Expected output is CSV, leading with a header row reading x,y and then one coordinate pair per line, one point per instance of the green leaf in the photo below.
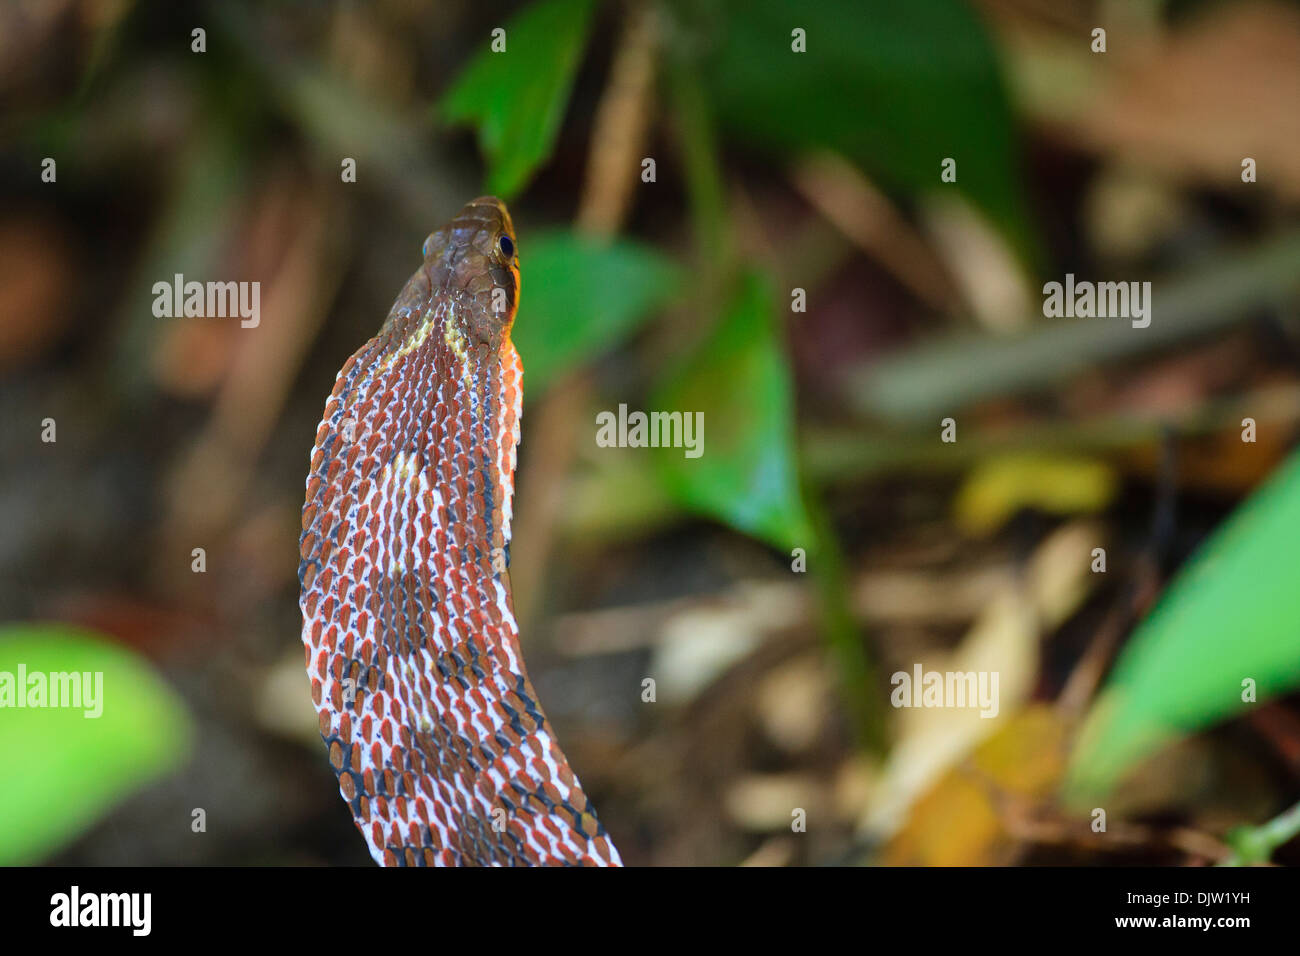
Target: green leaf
x,y
894,87
517,97
1232,613
739,379
581,296
64,768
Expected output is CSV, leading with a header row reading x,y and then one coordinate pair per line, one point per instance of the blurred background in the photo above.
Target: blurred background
x,y
733,208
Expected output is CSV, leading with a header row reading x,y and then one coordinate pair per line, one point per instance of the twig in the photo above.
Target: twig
x,y
1256,844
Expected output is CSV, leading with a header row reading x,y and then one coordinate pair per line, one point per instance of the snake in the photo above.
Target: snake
x,y
437,737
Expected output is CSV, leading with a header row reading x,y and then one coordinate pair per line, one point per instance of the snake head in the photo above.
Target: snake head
x,y
475,254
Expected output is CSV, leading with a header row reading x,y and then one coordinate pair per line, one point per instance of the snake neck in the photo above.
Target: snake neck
x,y
447,389
441,747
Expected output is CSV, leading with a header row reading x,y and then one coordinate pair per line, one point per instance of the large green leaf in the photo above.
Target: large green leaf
x,y
517,97
580,296
895,87
1232,614
63,768
739,379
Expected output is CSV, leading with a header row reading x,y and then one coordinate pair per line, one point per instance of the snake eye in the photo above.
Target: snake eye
x,y
507,247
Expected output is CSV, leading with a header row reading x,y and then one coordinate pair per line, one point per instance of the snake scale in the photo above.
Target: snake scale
x,y
441,748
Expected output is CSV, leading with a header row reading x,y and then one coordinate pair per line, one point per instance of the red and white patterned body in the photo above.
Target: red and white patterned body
x,y
441,748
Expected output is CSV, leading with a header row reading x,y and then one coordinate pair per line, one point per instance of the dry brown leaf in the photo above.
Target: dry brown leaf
x,y
958,822
1004,640
35,271
1217,90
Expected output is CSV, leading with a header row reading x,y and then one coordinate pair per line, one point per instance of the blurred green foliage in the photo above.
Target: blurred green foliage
x,y
895,92
516,97
1230,616
1254,845
747,476
67,769
894,87
583,296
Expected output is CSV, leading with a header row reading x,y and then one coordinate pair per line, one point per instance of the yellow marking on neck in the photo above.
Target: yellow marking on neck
x,y
452,334
458,342
413,341
454,337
